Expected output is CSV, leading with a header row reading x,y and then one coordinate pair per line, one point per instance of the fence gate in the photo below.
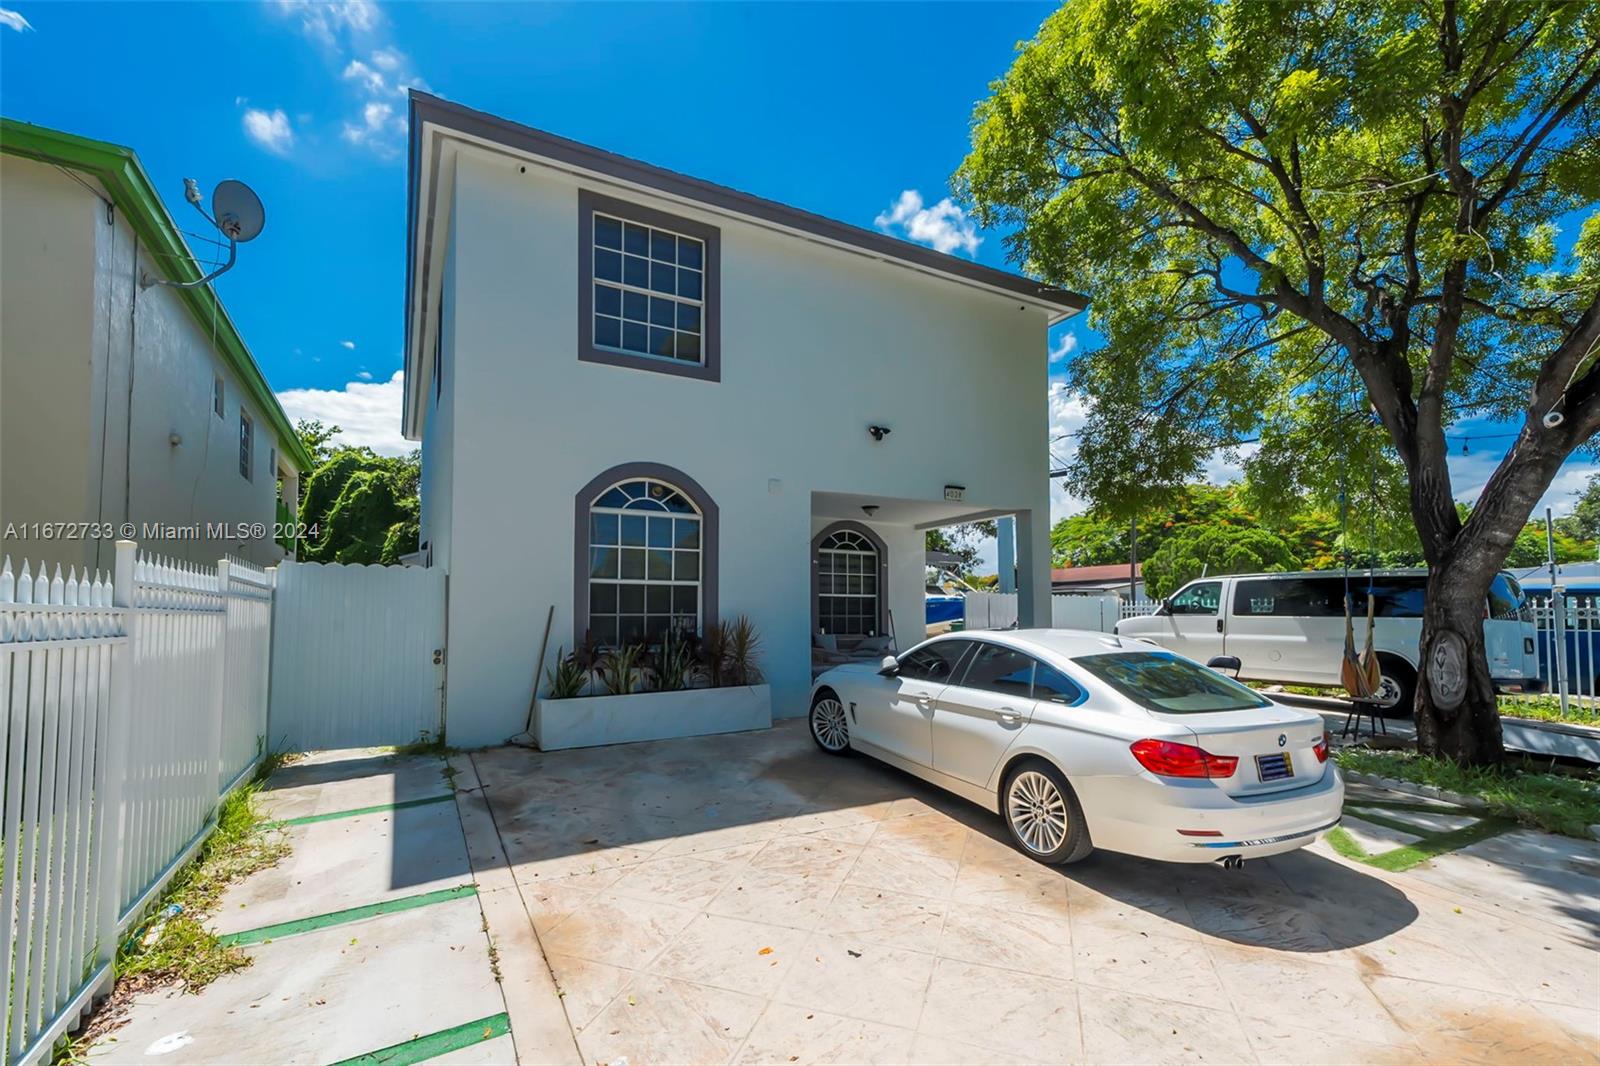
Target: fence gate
x,y
356,656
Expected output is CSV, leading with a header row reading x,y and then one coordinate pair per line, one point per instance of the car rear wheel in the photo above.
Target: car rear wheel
x,y
829,726
1397,687
1042,814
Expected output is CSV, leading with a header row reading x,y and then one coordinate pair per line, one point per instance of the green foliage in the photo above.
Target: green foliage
x,y
617,667
962,540
1292,214
565,678
317,438
1530,548
1586,514
364,507
743,650
1215,550
1312,534
669,666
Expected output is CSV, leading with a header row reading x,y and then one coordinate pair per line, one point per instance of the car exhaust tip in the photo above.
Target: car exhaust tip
x,y
1232,862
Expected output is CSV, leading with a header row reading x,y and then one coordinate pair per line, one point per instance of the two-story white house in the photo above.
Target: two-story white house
x,y
647,400
127,404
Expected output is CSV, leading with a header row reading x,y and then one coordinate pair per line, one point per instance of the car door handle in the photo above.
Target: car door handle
x,y
1006,716
1219,625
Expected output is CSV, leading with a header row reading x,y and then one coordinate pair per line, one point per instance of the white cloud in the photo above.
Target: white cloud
x,y
348,344
1063,348
374,127
387,59
14,20
322,21
1469,473
367,412
1068,413
944,225
270,130
371,79
364,375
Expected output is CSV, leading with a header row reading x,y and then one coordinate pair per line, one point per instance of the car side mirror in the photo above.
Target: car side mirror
x,y
1225,664
889,666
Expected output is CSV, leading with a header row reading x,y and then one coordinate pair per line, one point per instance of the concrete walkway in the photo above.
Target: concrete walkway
x,y
368,940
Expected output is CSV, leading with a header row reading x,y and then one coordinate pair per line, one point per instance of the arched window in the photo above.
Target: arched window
x,y
849,581
646,546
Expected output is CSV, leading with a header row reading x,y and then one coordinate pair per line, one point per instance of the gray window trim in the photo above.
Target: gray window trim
x,y
580,537
883,571
710,366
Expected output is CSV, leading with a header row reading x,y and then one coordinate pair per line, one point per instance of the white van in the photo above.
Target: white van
x,y
1289,628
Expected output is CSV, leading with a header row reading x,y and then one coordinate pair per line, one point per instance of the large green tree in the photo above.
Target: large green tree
x,y
1330,227
363,507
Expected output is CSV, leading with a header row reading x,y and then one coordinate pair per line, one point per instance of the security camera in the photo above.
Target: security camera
x,y
878,432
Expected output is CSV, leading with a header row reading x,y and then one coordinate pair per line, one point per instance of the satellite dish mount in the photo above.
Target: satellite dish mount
x,y
237,214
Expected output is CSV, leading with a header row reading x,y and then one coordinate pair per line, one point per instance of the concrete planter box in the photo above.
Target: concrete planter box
x,y
590,721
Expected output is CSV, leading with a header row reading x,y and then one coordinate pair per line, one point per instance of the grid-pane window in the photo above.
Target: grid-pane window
x,y
649,290
644,562
847,585
247,444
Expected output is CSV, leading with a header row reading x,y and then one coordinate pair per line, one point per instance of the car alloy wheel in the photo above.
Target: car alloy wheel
x,y
828,724
1388,694
1038,812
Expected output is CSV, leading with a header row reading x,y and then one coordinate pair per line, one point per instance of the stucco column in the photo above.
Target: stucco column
x,y
1033,569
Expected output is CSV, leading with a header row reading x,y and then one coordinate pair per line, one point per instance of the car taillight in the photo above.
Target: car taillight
x,y
1321,747
1168,758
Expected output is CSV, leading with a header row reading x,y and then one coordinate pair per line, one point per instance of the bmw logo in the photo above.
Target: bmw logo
x,y
1282,740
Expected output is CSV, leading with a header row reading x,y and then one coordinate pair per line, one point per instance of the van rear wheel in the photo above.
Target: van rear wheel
x,y
1397,687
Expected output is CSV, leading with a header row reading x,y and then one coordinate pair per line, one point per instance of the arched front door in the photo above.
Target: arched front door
x,y
849,584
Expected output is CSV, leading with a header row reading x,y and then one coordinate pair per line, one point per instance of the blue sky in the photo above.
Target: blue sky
x,y
850,110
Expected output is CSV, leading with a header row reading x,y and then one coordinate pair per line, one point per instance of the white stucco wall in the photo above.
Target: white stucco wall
x,y
82,443
816,344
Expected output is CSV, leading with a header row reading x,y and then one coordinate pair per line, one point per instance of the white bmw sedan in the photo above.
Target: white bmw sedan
x,y
1081,740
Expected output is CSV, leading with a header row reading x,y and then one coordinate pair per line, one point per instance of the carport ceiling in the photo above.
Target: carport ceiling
x,y
922,514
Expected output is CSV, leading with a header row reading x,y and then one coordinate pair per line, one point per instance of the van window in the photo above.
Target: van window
x,y
1203,598
1393,596
1506,599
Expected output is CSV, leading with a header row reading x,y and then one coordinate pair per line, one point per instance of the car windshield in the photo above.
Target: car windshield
x,y
1163,682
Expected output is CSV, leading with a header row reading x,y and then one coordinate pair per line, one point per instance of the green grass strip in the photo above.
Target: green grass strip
x,y
423,1048
379,809
1430,846
351,914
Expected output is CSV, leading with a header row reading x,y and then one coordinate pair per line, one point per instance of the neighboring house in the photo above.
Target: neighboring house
x,y
647,400
122,403
1098,580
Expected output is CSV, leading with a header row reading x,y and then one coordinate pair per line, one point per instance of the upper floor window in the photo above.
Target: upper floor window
x,y
247,445
216,396
649,288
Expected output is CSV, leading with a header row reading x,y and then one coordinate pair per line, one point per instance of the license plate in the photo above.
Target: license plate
x,y
1275,767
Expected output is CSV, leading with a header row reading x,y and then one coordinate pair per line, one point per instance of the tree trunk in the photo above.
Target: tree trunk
x,y
1457,714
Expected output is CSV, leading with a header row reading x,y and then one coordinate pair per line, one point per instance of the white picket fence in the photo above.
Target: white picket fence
x,y
998,610
128,708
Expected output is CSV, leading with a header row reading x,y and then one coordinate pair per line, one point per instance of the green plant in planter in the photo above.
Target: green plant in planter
x,y
588,655
566,678
731,651
670,668
617,667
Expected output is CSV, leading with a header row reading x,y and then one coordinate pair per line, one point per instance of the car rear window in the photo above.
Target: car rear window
x,y
1163,682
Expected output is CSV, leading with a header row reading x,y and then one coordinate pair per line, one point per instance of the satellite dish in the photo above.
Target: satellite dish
x,y
238,211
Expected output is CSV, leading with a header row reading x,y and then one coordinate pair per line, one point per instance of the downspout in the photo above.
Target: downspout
x,y
133,348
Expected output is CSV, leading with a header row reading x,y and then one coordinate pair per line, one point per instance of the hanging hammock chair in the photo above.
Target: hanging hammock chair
x,y
1359,672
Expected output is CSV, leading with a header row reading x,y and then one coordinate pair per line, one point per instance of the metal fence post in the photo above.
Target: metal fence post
x,y
111,766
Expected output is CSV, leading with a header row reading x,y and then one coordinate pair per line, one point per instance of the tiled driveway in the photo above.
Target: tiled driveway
x,y
744,898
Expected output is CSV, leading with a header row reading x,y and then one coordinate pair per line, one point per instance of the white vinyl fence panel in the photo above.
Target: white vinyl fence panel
x,y
357,656
1097,614
991,610
121,728
1578,632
